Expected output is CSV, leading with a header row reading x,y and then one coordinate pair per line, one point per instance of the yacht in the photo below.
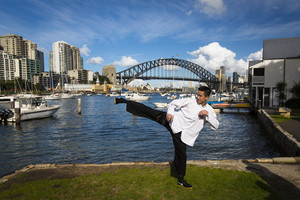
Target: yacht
x,y
35,108
138,97
160,105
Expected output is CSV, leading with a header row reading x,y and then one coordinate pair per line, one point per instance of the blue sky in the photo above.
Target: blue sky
x,y
210,33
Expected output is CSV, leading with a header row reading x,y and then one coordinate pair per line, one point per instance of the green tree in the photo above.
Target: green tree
x,y
296,90
294,102
280,87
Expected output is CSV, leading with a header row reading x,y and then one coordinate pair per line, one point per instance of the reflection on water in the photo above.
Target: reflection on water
x,y
105,133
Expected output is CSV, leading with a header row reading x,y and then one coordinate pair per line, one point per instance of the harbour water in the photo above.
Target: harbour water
x,y
105,133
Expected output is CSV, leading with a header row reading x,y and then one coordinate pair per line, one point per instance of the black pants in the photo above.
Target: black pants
x,y
158,116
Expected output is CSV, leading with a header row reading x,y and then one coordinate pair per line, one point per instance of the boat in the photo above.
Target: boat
x,y
138,97
52,97
221,105
67,96
172,97
160,105
7,98
35,108
112,95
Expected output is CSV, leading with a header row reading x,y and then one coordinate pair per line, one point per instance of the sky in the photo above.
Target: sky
x,y
210,33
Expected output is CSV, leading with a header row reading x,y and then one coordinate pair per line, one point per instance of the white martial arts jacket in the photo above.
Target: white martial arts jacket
x,y
186,120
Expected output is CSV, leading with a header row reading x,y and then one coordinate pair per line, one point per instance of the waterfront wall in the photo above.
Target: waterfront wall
x,y
284,140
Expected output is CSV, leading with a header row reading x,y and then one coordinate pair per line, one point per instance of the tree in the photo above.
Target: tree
x,y
296,90
294,102
280,87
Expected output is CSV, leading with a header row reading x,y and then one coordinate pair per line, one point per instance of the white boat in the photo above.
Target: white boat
x,y
67,96
172,97
52,97
160,105
35,108
7,98
112,95
138,97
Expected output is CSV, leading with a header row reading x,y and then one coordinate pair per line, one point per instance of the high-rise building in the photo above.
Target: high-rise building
x,y
7,66
13,44
235,76
28,68
76,58
20,58
64,57
221,75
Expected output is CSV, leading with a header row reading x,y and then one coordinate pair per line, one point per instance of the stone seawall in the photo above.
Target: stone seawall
x,y
284,140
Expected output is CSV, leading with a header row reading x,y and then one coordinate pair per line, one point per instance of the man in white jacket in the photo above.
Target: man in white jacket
x,y
184,119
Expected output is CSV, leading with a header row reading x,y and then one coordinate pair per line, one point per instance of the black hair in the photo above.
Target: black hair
x,y
206,90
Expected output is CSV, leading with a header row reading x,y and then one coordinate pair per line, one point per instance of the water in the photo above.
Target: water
x,y
106,133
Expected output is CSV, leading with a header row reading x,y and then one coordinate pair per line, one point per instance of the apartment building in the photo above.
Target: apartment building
x,y
281,62
19,58
8,65
64,57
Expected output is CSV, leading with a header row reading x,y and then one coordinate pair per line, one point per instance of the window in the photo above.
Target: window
x,y
259,72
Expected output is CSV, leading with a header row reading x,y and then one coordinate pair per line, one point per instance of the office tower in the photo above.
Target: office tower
x,y
235,76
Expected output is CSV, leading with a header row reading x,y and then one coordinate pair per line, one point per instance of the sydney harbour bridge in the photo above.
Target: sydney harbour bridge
x,y
168,69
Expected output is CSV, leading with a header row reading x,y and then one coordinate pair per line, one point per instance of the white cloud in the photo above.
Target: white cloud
x,y
211,7
256,56
126,62
85,50
95,60
213,56
189,13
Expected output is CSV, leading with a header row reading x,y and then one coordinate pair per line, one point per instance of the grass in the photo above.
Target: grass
x,y
144,183
281,119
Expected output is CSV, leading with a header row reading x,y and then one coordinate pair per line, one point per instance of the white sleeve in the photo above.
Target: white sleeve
x,y
177,104
212,119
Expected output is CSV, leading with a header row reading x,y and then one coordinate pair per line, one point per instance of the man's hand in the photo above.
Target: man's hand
x,y
169,117
203,113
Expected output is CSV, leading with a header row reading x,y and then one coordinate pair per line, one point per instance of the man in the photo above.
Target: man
x,y
184,119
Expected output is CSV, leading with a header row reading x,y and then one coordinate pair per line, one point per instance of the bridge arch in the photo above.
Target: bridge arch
x,y
138,71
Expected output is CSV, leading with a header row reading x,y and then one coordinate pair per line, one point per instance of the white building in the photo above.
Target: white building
x,y
281,62
62,57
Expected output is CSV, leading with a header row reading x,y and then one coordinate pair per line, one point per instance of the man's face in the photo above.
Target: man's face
x,y
201,98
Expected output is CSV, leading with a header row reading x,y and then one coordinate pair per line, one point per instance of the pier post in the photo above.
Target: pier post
x,y
79,106
17,112
12,103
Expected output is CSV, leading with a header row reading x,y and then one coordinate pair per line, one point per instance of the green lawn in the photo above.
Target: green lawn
x,y
144,183
280,119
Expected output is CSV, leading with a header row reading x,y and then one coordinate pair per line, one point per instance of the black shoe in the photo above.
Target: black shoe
x,y
184,184
119,100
